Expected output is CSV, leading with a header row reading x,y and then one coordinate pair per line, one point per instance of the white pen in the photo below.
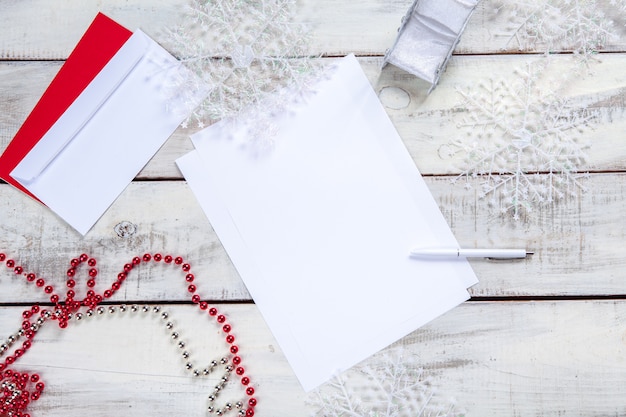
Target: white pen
x,y
470,253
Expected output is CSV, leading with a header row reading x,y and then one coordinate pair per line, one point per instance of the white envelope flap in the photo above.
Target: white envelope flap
x,y
108,134
86,105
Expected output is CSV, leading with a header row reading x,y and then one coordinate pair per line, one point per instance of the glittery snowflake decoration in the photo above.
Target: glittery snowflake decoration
x,y
524,144
581,26
242,51
391,384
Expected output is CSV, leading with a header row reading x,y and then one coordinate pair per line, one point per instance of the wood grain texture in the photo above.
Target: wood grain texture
x,y
578,245
40,29
428,124
530,359
111,364
493,359
505,357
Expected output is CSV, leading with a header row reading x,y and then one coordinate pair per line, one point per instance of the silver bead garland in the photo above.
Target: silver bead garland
x,y
174,336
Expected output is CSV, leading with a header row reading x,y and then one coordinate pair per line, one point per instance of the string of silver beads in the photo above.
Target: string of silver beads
x,y
15,337
182,346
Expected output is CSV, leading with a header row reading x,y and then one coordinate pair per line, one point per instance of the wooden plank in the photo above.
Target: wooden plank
x,y
42,30
433,125
39,29
165,218
493,359
430,125
537,358
129,361
577,243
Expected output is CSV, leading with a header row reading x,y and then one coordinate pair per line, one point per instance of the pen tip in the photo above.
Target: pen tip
x,y
529,253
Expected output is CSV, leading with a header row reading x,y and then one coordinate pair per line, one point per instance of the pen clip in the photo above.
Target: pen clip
x,y
496,259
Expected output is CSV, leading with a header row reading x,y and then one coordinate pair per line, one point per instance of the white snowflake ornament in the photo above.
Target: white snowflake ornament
x,y
242,52
389,384
583,27
523,142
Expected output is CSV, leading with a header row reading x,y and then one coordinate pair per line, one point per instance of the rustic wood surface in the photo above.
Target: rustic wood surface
x,y
541,337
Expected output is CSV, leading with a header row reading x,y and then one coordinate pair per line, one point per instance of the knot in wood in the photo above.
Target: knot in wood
x,y
125,229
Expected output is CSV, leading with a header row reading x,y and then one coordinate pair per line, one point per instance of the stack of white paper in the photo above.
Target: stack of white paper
x,y
320,226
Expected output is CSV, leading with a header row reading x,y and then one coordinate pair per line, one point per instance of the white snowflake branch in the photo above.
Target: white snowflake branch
x,y
524,143
554,26
243,52
389,384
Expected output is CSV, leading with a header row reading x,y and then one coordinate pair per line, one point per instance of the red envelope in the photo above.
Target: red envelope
x,y
101,41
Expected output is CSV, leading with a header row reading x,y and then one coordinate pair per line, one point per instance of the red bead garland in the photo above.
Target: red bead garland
x,y
15,386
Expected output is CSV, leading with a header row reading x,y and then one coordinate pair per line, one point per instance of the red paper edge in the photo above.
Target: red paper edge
x,y
100,42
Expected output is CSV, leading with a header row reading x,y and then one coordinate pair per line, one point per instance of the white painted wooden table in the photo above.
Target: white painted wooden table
x,y
540,337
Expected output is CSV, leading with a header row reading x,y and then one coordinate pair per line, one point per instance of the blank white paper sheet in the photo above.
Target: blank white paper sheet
x,y
320,226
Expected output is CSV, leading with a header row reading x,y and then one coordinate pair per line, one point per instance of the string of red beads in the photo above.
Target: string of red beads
x,y
14,395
